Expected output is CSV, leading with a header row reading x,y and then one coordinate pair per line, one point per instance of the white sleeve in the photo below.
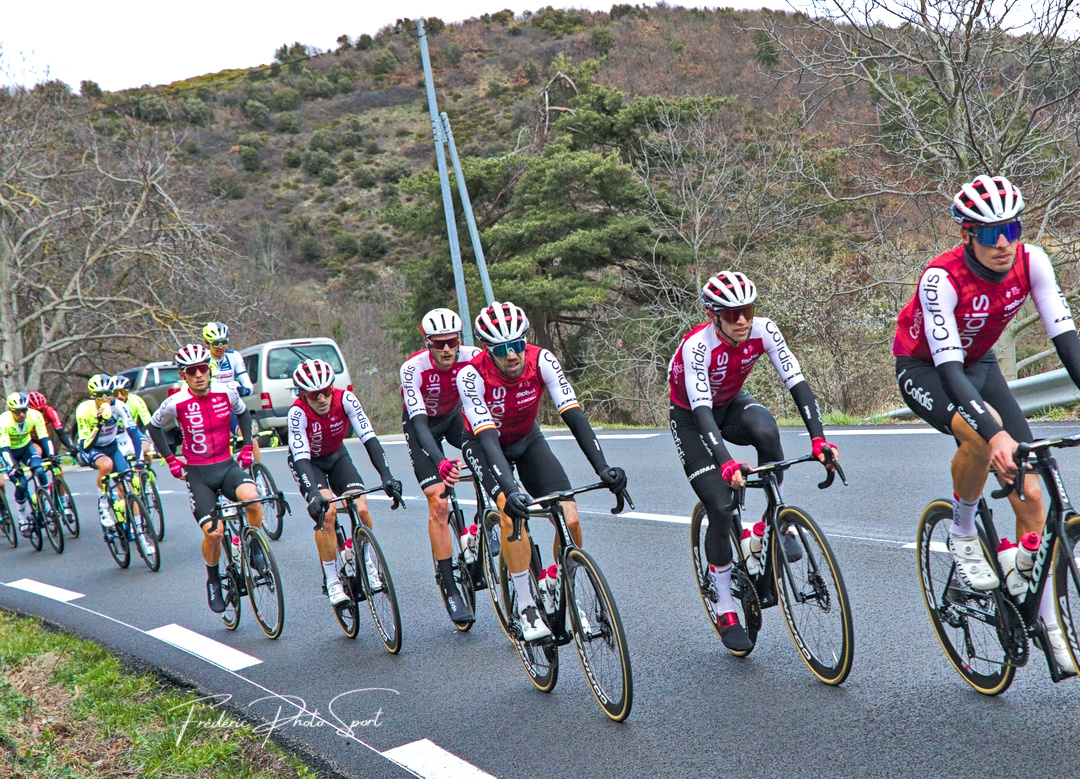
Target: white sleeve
x,y
787,366
695,360
299,447
562,394
236,404
470,386
937,298
360,423
165,413
411,396
124,415
1049,300
240,372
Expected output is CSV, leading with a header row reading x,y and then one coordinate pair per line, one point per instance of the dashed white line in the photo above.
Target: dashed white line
x,y
45,590
886,431
431,761
206,648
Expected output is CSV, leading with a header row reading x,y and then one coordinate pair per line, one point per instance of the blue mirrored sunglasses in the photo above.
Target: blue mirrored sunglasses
x,y
988,236
501,350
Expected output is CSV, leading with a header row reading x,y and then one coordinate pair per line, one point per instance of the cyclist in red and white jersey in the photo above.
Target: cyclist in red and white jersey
x,y
53,420
949,376
202,410
500,393
319,420
708,406
431,413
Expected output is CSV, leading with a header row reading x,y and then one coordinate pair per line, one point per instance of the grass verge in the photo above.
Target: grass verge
x,y
68,708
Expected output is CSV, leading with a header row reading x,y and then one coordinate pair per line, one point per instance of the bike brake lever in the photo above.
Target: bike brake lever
x,y
516,534
620,499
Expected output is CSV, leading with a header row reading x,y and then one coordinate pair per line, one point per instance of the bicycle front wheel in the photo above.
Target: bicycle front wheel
x,y
7,523
50,518
145,542
964,620
263,583
813,597
273,511
151,498
492,562
65,504
598,635
540,661
1067,586
378,587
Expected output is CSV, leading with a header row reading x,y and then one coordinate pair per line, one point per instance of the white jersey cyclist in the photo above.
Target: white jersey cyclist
x,y
312,435
428,389
231,370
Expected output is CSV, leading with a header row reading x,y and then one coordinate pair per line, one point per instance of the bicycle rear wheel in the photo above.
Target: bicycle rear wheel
x,y
965,621
65,504
347,613
116,540
50,519
272,510
36,523
540,661
263,583
492,563
8,524
378,587
151,498
1067,586
814,599
139,517
598,635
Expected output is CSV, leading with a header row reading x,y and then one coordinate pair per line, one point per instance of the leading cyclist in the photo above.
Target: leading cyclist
x,y
949,375
20,426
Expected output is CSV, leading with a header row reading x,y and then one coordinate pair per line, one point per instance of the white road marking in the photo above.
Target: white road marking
x,y
45,590
206,648
656,517
904,431
935,546
431,761
603,435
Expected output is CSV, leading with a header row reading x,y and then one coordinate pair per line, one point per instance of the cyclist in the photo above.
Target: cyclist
x,y
319,420
949,376
431,412
228,367
708,406
136,406
202,409
500,391
39,403
20,425
100,421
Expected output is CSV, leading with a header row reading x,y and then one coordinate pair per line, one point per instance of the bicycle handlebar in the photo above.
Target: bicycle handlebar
x,y
236,504
1020,457
545,502
352,496
783,465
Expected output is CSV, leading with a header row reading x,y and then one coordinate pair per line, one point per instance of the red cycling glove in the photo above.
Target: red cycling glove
x,y
819,443
729,469
247,456
176,466
446,467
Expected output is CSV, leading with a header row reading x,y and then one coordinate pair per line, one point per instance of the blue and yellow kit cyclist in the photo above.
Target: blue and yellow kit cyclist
x,y
20,426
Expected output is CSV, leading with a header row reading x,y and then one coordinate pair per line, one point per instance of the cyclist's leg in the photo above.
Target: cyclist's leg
x,y
203,484
238,485
427,475
748,423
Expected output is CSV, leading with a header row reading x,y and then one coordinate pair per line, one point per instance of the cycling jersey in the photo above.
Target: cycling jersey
x,y
230,369
137,408
203,420
957,316
428,389
51,417
707,370
97,432
491,400
312,435
16,435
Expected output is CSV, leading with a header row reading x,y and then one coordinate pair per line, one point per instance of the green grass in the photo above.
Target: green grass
x,y
68,708
834,418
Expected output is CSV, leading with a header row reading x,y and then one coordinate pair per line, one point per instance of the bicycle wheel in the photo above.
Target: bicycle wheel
x,y
598,635
492,563
231,594
36,523
347,613
378,588
272,511
151,498
1066,585
7,523
540,661
50,519
116,540
965,621
814,599
139,517
65,504
743,591
263,583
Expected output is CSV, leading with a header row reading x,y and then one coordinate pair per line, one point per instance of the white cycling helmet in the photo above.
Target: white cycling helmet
x,y
986,200
120,383
192,354
440,321
500,323
313,375
728,289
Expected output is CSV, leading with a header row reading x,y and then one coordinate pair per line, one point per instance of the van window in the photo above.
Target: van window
x,y
132,376
281,362
251,362
168,375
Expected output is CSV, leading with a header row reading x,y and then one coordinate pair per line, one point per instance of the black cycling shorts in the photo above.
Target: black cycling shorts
x,y
538,469
206,482
451,428
920,385
335,472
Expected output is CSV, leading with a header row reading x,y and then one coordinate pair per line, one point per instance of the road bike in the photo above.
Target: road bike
x,y
250,568
582,600
797,569
45,517
985,633
145,485
7,522
131,522
365,576
61,495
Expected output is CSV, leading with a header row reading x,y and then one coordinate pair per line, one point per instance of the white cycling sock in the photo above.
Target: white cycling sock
x,y
524,592
21,504
721,577
330,570
1046,607
963,516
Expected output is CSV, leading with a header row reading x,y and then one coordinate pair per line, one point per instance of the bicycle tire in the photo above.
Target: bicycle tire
x,y
264,587
50,519
821,625
65,504
145,540
601,640
954,609
540,661
742,587
8,524
151,498
230,593
492,564
272,511
1067,587
36,523
347,613
381,600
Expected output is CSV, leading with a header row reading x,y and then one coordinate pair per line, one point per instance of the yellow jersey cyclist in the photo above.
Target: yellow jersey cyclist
x,y
136,406
101,420
20,426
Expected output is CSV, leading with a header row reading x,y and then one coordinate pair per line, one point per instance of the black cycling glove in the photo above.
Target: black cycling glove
x,y
316,509
517,505
614,477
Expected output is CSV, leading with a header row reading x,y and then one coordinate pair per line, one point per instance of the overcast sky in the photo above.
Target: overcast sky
x,y
128,43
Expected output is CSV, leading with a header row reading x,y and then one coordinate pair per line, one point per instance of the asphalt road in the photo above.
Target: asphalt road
x,y
458,705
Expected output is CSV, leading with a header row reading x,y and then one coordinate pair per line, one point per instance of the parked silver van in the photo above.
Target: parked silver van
x,y
270,367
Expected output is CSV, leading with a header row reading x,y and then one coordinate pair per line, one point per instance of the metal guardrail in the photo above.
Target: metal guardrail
x,y
1034,393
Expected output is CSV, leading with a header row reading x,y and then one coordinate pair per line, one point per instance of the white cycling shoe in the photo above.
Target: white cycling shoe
x,y
336,593
532,627
1059,648
971,564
